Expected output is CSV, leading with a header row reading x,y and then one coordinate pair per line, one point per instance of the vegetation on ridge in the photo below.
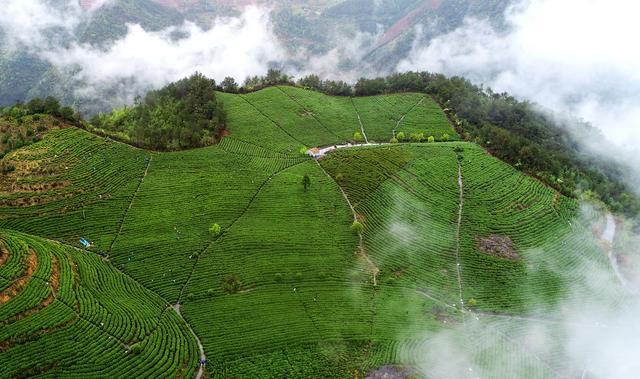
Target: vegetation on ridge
x,y
182,115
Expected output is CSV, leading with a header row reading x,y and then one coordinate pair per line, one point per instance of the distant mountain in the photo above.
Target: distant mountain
x,y
315,25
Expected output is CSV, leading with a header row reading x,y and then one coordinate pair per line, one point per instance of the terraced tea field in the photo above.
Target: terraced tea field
x,y
222,252
284,118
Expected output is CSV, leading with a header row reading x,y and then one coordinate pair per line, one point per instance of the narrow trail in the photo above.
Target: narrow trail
x,y
608,236
126,212
458,227
361,250
366,140
405,115
253,198
292,98
272,121
203,357
176,306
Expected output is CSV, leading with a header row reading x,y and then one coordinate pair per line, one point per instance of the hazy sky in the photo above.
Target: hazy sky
x,y
567,55
571,55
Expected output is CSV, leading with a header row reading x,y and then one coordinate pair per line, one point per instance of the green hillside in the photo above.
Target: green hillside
x,y
224,246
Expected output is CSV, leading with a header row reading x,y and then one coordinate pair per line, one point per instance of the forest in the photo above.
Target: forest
x,y
184,114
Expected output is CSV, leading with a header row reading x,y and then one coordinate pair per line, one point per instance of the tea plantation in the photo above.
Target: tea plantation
x,y
122,262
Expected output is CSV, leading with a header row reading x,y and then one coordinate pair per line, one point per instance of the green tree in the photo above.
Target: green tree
x,y
357,227
231,284
229,84
215,230
136,348
306,182
400,136
445,137
357,137
51,106
431,139
393,140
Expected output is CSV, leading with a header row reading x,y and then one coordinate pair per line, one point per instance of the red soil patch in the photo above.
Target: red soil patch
x,y
498,246
390,372
54,282
406,22
17,286
4,255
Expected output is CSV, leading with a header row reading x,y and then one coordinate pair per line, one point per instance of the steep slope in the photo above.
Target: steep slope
x,y
275,279
79,315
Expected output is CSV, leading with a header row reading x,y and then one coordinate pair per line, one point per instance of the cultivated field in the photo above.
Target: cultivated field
x,y
224,246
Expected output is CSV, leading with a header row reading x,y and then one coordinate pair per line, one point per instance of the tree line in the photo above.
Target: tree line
x,y
23,124
184,114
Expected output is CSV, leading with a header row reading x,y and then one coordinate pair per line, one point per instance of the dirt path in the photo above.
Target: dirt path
x,y
326,150
272,120
405,115
308,111
361,250
203,357
608,236
458,226
126,212
366,140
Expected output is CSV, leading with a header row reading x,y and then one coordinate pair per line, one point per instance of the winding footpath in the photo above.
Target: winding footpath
x,y
371,266
458,227
203,357
608,236
360,121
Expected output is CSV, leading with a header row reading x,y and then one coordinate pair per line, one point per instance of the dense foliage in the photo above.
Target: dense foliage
x,y
23,124
182,115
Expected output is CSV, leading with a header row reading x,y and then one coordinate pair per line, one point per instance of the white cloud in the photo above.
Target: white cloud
x,y
232,47
24,22
567,55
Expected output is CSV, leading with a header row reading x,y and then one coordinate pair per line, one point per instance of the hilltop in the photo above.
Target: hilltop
x,y
157,260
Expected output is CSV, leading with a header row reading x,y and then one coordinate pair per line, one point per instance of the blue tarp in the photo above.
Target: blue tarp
x,y
84,242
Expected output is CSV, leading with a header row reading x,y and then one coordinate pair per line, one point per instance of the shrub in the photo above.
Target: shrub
x,y
231,284
431,139
445,137
417,137
339,177
306,182
7,168
357,227
472,303
303,150
215,229
393,140
278,277
211,292
298,276
400,136
136,348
